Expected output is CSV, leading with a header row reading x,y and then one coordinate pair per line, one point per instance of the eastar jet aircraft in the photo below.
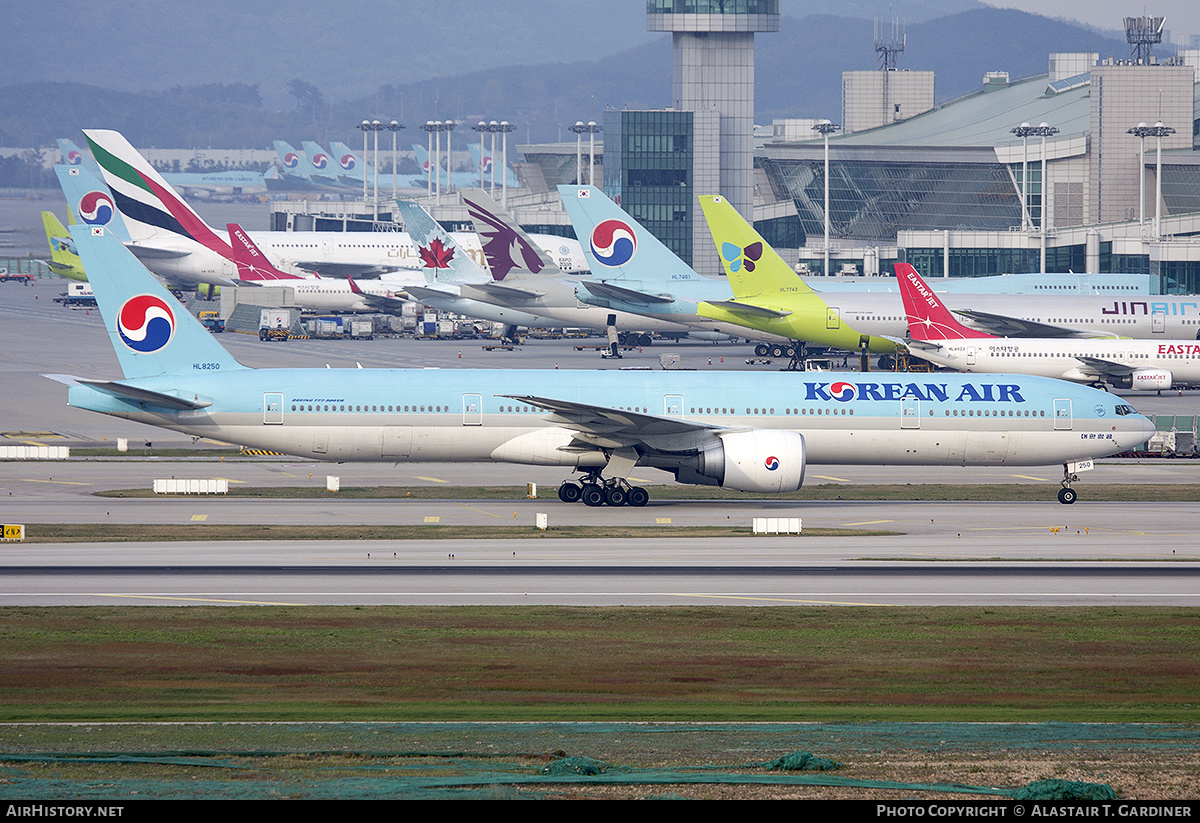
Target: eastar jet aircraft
x,y
741,430
315,294
934,334
175,242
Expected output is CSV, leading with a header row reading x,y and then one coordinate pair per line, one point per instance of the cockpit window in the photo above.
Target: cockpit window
x,y
1124,409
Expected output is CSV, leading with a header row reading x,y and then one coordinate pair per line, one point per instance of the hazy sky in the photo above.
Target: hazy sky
x,y
1183,16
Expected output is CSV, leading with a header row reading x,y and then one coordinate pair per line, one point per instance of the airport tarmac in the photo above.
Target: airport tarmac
x,y
1111,553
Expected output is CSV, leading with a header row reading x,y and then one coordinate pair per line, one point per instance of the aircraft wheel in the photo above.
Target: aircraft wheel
x,y
790,351
638,496
615,496
777,350
1066,496
570,492
761,350
592,495
645,340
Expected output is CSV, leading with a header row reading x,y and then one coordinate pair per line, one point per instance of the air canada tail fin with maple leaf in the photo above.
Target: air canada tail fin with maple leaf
x,y
443,261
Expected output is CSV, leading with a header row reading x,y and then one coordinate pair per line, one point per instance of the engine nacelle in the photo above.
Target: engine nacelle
x,y
758,460
1145,380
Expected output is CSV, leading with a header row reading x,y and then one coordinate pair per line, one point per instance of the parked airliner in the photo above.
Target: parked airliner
x,y
934,334
170,238
742,430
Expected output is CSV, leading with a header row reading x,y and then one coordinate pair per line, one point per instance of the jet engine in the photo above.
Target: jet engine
x,y
1145,380
757,460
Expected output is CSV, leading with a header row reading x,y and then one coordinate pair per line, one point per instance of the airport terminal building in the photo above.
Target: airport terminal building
x,y
945,190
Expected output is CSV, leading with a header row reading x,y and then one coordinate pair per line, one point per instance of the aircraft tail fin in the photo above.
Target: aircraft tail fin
x,y
89,201
441,258
928,318
252,265
754,268
294,163
63,259
320,159
150,207
422,154
507,249
617,246
350,163
151,332
72,155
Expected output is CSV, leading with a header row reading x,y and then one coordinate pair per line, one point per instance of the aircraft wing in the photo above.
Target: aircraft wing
x,y
916,345
602,288
1004,326
507,294
748,309
388,302
363,271
607,427
1105,368
432,290
171,400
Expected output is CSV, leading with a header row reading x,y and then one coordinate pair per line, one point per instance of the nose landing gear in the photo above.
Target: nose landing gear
x,y
1067,495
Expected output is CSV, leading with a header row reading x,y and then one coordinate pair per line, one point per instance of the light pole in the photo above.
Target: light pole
x,y
826,128
482,128
1140,131
1044,130
504,128
1160,131
394,127
366,127
376,127
429,128
1023,131
579,129
449,127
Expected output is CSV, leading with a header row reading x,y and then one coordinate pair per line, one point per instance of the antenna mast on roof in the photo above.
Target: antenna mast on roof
x,y
1142,33
888,51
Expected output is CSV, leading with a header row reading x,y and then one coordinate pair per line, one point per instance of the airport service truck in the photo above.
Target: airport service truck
x,y
77,294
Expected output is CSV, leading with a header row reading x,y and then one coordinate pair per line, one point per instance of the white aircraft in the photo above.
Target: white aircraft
x,y
934,335
750,431
316,294
521,276
170,238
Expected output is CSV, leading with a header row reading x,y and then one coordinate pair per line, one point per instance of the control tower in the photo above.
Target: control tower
x,y
713,70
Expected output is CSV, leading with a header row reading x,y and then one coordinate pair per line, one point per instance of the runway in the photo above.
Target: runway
x,y
945,553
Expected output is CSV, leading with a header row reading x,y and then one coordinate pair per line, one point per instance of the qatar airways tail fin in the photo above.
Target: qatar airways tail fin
x,y
928,318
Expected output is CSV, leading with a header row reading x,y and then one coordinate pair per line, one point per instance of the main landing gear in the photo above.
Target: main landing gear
x,y
796,352
1067,495
594,490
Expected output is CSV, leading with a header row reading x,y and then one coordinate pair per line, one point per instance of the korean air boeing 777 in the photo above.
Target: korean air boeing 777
x,y
741,430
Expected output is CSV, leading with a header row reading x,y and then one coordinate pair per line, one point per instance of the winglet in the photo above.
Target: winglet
x,y
928,318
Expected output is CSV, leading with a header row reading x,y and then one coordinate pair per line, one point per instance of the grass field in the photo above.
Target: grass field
x,y
537,663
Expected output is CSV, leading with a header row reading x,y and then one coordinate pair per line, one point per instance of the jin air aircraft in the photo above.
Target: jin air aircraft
x,y
741,430
1146,365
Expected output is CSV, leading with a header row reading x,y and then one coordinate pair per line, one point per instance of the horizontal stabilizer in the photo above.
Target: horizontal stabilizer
x,y
170,400
145,252
601,288
748,309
